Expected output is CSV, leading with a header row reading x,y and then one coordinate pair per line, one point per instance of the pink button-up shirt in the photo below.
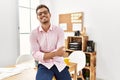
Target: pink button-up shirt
x,y
49,41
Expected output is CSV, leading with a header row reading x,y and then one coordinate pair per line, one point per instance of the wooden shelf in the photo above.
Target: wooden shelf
x,y
79,39
90,57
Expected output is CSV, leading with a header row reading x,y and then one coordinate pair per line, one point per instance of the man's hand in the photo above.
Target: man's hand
x,y
60,51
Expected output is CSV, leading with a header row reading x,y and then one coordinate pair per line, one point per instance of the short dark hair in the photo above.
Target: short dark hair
x,y
42,6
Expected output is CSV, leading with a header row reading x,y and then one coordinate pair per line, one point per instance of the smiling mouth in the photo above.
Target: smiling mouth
x,y
44,18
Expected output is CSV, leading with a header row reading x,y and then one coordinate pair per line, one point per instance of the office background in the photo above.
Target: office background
x,y
101,19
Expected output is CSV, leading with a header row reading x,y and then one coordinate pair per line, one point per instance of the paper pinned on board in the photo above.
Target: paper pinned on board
x,y
63,26
76,26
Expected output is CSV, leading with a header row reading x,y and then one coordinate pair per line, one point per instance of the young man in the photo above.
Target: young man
x,y
47,43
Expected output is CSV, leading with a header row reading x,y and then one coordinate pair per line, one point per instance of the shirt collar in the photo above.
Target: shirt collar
x,y
41,29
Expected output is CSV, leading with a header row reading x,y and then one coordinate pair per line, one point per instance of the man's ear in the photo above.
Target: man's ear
x,y
50,14
37,16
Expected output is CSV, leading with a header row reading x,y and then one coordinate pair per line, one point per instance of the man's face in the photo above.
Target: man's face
x,y
43,15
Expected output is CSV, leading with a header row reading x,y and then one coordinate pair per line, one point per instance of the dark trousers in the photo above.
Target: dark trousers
x,y
44,73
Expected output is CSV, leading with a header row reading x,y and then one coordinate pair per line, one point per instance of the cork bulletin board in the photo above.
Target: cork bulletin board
x,y
71,21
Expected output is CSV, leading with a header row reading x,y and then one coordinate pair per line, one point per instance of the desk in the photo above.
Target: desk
x,y
29,74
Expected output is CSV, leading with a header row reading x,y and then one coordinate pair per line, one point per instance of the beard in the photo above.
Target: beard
x,y
44,20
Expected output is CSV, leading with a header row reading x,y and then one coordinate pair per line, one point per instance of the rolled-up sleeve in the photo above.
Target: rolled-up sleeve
x,y
37,54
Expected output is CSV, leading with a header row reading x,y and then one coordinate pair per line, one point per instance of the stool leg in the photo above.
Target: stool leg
x,y
53,78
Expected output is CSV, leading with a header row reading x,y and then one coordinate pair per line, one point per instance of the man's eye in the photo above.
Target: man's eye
x,y
40,14
44,12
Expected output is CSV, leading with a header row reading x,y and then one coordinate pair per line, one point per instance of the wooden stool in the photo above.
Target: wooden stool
x,y
53,78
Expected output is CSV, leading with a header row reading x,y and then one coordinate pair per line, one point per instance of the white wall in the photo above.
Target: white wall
x,y
101,18
102,21
8,32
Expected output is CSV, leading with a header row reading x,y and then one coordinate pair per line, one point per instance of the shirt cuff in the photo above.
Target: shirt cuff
x,y
39,56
